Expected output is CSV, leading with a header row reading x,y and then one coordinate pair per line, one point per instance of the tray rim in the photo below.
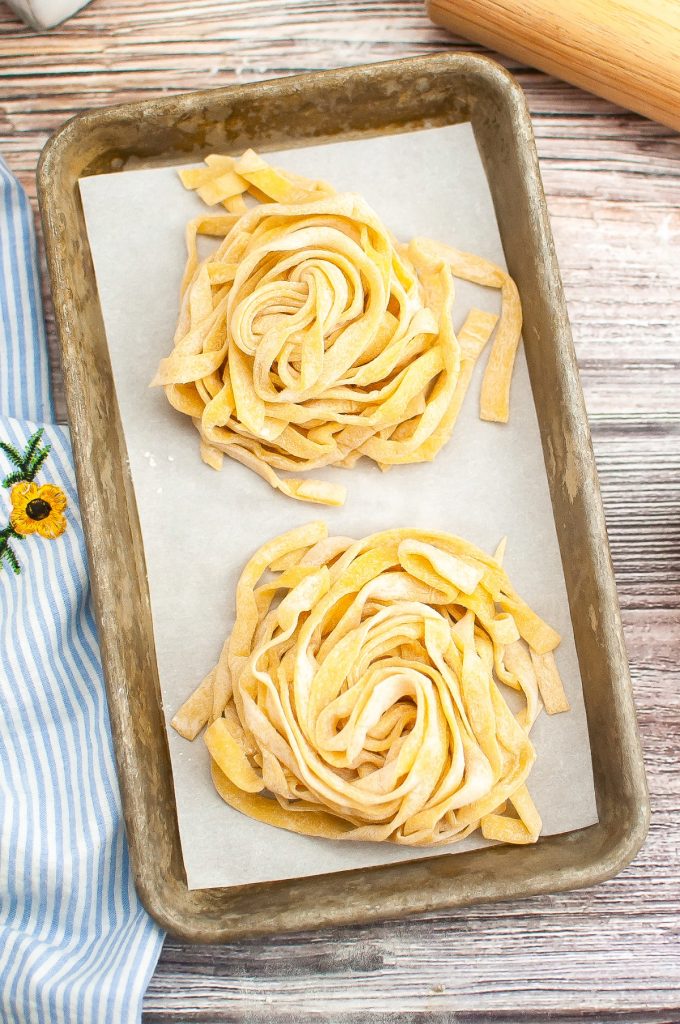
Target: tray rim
x,y
158,898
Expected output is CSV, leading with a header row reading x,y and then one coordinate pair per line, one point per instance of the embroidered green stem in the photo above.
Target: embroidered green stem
x,y
27,463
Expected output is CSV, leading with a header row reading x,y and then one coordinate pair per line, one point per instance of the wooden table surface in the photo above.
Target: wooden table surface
x,y
611,178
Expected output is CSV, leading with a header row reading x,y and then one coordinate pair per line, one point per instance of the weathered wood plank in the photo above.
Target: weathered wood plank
x,y
612,182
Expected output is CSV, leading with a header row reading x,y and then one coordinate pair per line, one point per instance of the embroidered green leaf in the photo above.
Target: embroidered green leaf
x,y
13,561
30,462
6,553
13,478
33,443
12,454
35,466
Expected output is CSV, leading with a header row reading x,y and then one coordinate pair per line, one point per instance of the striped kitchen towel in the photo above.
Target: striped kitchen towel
x,y
76,945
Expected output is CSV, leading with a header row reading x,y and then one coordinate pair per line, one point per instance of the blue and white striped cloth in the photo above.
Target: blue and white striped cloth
x,y
76,945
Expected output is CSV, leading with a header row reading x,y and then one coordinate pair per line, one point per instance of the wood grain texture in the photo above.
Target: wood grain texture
x,y
611,180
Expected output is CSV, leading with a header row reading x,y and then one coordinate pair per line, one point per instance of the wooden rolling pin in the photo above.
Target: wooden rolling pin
x,y
625,50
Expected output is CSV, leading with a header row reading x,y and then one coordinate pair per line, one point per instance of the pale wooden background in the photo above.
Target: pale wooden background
x,y
612,953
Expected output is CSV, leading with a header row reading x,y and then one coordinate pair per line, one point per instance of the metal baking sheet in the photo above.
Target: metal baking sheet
x,y
359,102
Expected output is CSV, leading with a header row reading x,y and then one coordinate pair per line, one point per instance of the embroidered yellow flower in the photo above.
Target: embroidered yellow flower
x,y
38,509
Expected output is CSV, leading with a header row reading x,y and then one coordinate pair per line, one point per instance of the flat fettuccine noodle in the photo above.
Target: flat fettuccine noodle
x,y
311,338
359,695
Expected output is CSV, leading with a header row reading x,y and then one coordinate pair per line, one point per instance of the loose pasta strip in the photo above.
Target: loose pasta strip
x,y
360,693
311,338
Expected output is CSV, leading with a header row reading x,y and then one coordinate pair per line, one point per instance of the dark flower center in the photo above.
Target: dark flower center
x,y
38,509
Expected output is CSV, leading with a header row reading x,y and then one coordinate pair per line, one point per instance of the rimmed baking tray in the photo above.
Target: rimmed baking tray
x,y
335,105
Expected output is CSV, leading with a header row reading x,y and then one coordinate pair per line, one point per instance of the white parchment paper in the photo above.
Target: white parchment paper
x,y
199,526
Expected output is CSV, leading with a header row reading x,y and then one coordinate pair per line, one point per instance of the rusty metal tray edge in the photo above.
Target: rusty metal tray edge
x,y
393,96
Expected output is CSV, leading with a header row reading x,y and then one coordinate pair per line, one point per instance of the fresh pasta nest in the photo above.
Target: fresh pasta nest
x,y
359,694
310,337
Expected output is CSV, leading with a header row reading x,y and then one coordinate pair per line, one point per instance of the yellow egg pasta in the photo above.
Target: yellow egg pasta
x,y
310,337
360,694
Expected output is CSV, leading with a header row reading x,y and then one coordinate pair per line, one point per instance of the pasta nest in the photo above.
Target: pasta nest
x,y
361,688
311,338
